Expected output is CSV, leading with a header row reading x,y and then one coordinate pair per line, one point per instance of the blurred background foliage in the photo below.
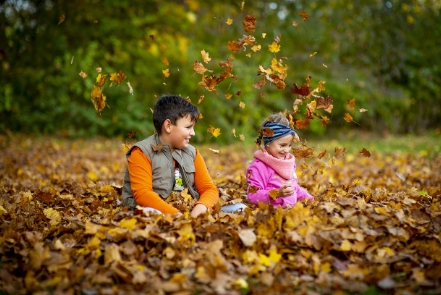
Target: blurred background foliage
x,y
384,54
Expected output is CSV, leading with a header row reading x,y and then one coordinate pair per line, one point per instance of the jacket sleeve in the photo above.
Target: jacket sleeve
x,y
140,170
257,183
209,194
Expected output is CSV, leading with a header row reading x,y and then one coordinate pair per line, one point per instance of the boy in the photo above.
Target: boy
x,y
166,162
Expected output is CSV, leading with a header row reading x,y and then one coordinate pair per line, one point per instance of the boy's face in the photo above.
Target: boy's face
x,y
279,148
181,133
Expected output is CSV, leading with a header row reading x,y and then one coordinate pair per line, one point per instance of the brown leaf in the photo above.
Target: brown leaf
x,y
157,148
304,15
62,18
303,152
365,153
249,24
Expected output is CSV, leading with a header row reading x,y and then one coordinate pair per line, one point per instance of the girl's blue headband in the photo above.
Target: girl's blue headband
x,y
280,130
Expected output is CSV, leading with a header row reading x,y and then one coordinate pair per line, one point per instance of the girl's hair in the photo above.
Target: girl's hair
x,y
276,117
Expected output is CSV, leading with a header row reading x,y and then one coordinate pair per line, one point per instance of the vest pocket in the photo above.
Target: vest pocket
x,y
189,168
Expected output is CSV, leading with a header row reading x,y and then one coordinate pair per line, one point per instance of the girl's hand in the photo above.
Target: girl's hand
x,y
197,210
286,190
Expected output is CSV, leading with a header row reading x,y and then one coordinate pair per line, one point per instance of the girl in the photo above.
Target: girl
x,y
272,175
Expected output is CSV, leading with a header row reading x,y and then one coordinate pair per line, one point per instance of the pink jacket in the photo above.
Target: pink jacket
x,y
267,173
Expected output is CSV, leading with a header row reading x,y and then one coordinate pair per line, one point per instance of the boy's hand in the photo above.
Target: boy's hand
x,y
197,210
286,190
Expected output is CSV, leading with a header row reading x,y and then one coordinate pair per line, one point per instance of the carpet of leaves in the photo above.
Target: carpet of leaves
x,y
374,226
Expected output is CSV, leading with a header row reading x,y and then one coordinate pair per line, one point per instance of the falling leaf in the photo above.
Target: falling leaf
x,y
259,84
325,103
242,5
157,148
62,18
304,90
242,105
214,151
214,131
363,110
131,134
242,137
348,118
249,24
325,65
117,78
233,46
340,152
201,98
152,37
82,74
165,61
71,61
130,88
274,47
238,93
228,95
166,73
304,15
321,154
99,70
351,104
233,131
95,21
98,99
199,68
256,48
303,152
126,146
205,56
229,21
312,54
200,116
267,131
295,24
302,123
365,153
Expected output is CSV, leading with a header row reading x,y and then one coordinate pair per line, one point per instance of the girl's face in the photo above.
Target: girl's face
x,y
279,148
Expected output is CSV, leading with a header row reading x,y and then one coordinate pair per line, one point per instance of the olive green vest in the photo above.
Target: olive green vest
x,y
163,169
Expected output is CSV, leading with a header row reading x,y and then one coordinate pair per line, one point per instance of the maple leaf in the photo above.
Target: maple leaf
x,y
278,81
62,18
260,84
82,74
229,21
303,152
209,82
278,66
98,99
351,104
303,91
274,47
365,153
166,73
304,15
302,123
157,148
199,68
256,48
205,56
249,23
310,109
267,131
233,46
274,194
117,78
324,103
340,152
101,80
348,118
214,131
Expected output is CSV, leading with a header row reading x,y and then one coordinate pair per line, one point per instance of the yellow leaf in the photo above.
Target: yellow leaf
x,y
128,223
114,77
263,35
345,245
53,215
214,151
242,104
229,21
98,78
228,96
166,73
205,56
2,210
165,61
82,74
256,48
274,47
326,267
92,175
312,54
186,233
278,67
186,196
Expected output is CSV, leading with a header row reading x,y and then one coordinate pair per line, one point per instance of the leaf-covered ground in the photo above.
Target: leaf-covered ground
x,y
374,227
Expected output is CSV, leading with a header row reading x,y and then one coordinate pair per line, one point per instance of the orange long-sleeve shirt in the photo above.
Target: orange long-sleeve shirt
x,y
140,170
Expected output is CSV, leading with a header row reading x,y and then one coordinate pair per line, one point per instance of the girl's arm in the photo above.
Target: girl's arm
x,y
257,183
301,192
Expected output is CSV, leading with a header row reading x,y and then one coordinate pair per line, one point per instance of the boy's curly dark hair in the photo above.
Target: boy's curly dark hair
x,y
172,107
